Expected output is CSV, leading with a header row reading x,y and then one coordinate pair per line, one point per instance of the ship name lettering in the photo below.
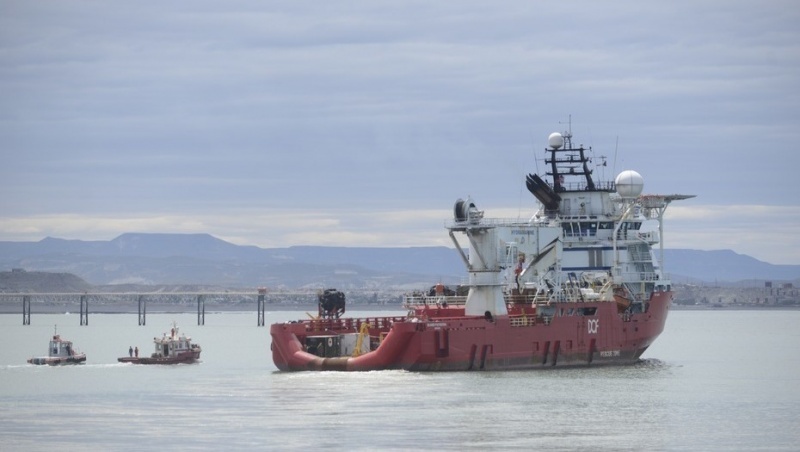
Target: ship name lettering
x,y
609,353
593,325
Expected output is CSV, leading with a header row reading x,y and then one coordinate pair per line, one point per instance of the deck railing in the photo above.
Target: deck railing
x,y
352,324
410,301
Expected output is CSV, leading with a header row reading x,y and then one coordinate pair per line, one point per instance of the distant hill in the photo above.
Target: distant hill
x,y
202,259
135,258
19,281
723,266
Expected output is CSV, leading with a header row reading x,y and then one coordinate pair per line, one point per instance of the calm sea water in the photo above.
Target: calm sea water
x,y
715,380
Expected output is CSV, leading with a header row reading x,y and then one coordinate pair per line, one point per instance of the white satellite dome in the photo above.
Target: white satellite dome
x,y
555,140
629,184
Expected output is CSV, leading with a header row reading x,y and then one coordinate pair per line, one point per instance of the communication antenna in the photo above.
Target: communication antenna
x,y
616,146
568,137
569,124
603,163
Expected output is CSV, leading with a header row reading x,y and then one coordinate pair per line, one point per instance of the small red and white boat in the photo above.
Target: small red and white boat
x,y
59,352
175,348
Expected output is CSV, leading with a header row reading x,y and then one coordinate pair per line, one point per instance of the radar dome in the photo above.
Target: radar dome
x,y
629,184
555,140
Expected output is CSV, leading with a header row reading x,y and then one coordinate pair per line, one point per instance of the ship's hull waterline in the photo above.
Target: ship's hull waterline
x,y
477,343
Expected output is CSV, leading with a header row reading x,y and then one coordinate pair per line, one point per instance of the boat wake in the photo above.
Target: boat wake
x,y
652,363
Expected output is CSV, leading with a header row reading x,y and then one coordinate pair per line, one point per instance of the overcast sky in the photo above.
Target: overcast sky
x,y
359,123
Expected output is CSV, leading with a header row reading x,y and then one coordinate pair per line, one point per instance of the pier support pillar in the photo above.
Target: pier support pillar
x,y
262,296
142,310
84,310
26,309
201,310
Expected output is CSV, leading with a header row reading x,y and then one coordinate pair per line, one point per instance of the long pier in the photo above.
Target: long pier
x,y
166,301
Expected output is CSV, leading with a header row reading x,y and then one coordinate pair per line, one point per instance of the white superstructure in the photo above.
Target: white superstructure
x,y
589,241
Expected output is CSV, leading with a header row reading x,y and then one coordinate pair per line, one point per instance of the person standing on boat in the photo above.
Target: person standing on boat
x,y
136,351
439,291
130,351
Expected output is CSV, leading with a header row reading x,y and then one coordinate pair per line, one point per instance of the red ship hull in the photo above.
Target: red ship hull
x,y
444,339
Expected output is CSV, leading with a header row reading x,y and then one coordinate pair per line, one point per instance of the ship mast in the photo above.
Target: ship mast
x,y
565,160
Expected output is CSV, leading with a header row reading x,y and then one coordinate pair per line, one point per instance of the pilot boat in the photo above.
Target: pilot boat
x,y
171,348
59,351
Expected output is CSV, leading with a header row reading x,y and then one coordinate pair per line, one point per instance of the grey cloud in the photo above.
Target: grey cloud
x,y
208,105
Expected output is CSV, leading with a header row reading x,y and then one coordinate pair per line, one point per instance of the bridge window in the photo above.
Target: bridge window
x,y
588,229
628,226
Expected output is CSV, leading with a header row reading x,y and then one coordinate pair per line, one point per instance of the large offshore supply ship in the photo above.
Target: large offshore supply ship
x,y
577,284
